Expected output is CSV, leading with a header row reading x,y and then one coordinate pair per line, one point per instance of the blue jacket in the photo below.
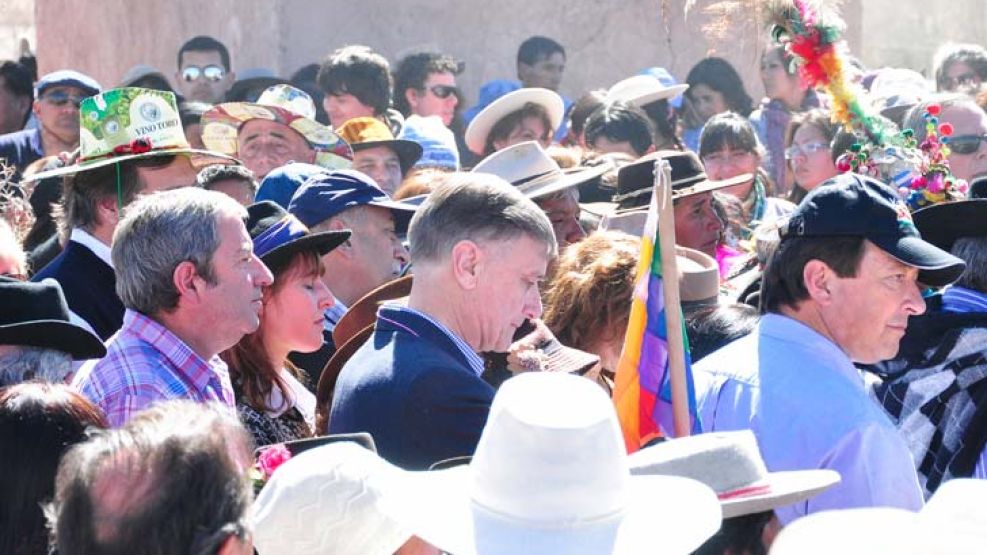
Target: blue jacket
x,y
20,148
413,390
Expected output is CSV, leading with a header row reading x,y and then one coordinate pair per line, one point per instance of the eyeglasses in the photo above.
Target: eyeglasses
x,y
962,80
966,144
211,73
807,149
61,98
443,91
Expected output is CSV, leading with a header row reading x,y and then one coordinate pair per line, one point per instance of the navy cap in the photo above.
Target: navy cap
x,y
852,205
277,235
280,184
329,193
67,78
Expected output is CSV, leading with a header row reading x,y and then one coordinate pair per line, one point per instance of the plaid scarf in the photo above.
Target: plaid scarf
x,y
935,391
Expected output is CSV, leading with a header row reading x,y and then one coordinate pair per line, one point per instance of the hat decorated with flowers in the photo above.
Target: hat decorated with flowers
x,y
128,123
282,104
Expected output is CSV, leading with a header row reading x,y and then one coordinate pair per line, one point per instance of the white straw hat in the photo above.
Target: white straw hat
x,y
640,90
529,168
479,128
550,476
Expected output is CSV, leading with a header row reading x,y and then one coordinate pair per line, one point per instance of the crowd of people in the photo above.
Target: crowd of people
x,y
344,312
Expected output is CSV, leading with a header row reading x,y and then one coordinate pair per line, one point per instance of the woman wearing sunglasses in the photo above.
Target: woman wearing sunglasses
x,y
968,143
808,151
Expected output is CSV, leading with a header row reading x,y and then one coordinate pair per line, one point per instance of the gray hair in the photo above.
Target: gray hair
x,y
915,118
34,363
973,251
476,207
160,231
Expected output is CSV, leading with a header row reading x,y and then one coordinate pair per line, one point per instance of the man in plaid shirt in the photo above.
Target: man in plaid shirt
x,y
191,285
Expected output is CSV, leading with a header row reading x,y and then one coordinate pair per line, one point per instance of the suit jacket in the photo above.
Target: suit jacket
x,y
413,390
90,287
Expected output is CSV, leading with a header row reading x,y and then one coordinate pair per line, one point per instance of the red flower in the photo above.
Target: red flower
x,y
271,458
946,129
137,146
933,109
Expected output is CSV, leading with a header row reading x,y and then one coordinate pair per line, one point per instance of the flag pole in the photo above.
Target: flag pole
x,y
673,308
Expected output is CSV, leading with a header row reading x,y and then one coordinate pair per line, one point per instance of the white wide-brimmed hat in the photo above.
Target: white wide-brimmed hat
x,y
327,500
641,90
529,168
953,521
730,463
550,476
479,128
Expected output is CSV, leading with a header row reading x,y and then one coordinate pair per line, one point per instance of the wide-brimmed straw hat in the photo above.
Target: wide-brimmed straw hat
x,y
730,463
550,476
641,90
130,123
282,104
529,168
481,125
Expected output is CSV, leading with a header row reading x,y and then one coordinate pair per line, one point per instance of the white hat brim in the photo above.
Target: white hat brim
x,y
479,128
786,488
663,514
644,97
567,181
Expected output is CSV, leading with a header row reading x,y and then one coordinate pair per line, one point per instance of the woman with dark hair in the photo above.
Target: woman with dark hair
x,y
728,148
38,424
271,400
809,151
714,87
785,95
580,112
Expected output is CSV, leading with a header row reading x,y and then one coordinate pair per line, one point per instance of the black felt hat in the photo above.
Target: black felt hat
x,y
942,224
277,235
36,315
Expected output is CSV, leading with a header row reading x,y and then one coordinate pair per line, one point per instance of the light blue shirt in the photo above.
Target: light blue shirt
x,y
807,406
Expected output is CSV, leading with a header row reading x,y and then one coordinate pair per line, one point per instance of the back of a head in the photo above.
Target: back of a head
x,y
171,481
160,231
39,422
620,121
476,207
712,327
915,118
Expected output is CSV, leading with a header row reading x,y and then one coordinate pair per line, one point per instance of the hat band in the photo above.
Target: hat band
x,y
286,230
695,179
135,147
748,491
533,181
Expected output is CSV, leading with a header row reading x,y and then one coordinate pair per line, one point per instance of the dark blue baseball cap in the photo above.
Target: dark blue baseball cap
x,y
853,205
280,184
67,78
326,194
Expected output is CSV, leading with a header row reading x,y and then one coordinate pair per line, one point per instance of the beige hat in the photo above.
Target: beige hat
x,y
699,277
529,168
479,128
643,89
730,463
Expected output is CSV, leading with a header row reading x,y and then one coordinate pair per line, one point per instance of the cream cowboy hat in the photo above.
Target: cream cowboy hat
x,y
529,168
129,123
479,128
550,476
643,89
283,104
730,463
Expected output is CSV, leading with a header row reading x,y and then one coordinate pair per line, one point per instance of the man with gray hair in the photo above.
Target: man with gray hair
x,y
190,282
170,481
480,250
38,341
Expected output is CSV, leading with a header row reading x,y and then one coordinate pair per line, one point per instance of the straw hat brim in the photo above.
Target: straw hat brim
x,y
85,166
483,123
786,488
673,515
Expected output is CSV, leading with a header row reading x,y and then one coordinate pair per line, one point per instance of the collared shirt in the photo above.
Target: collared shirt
x,y
333,314
145,363
99,248
475,360
805,402
961,299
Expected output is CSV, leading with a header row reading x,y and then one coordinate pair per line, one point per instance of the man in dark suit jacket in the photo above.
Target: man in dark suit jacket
x,y
480,249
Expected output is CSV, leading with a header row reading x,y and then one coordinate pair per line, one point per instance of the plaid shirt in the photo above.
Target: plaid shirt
x,y
145,363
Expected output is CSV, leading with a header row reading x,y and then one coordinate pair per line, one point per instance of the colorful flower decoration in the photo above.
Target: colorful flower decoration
x,y
268,460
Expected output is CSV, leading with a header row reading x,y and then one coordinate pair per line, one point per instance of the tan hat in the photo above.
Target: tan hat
x,y
479,128
699,277
640,90
730,464
532,171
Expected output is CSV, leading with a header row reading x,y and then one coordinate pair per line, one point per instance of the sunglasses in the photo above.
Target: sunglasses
x,y
966,144
61,98
443,91
211,73
807,149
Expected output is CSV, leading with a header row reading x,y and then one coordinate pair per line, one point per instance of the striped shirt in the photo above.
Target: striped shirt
x,y
961,299
145,363
475,360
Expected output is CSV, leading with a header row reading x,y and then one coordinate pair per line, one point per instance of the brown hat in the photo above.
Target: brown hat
x,y
364,133
363,313
636,181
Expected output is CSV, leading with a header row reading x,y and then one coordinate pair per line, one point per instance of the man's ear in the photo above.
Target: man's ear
x,y
467,261
36,106
186,280
411,96
818,280
107,211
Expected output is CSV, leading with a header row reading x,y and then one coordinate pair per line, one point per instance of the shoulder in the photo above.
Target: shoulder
x,y
17,138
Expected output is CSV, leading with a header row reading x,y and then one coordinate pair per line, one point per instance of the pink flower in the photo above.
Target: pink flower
x,y
937,184
271,458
